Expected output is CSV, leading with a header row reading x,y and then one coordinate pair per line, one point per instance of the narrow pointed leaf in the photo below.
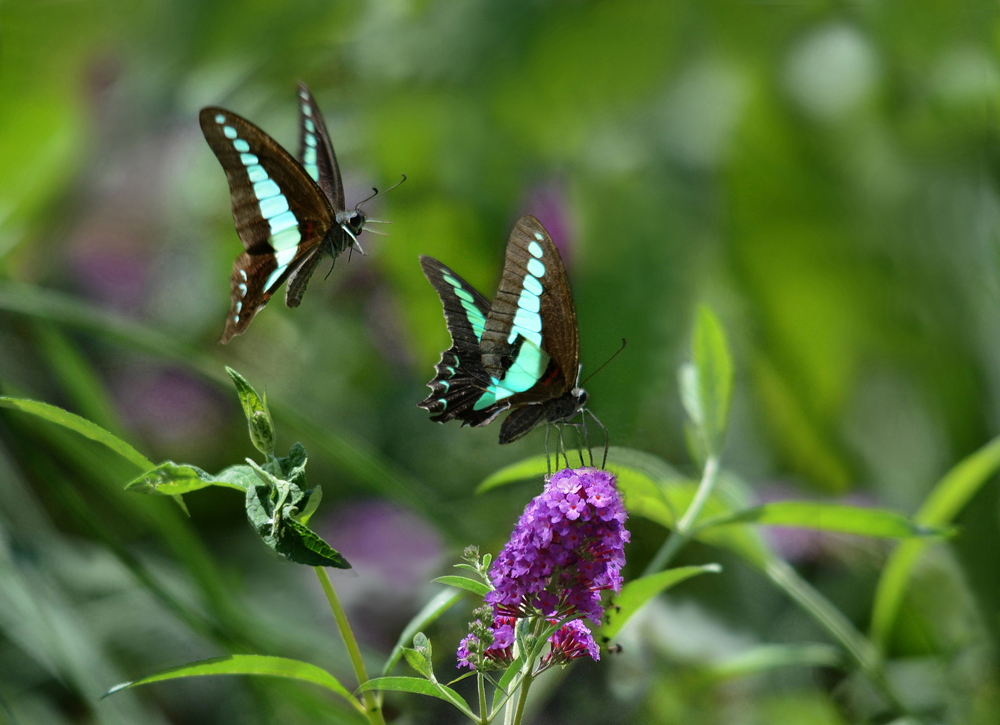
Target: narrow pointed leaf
x,y
639,591
776,656
249,665
79,425
503,686
838,518
437,606
462,582
419,686
945,501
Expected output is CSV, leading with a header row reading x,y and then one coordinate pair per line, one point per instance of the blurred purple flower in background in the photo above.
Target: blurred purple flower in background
x,y
547,203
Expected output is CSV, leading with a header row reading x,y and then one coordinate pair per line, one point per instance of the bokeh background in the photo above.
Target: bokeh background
x,y
823,174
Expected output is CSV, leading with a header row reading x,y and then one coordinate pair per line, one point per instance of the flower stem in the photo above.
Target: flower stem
x,y
522,698
682,530
372,708
481,682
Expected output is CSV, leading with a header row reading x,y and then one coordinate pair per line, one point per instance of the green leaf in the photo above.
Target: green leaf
x,y
418,662
508,677
828,517
169,479
772,657
258,416
419,686
437,606
529,468
461,582
79,425
706,384
945,501
639,591
314,497
249,665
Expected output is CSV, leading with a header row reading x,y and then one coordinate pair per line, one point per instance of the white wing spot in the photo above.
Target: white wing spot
x,y
243,290
539,236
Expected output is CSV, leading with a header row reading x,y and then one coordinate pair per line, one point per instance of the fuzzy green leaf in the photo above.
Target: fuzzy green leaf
x,y
639,591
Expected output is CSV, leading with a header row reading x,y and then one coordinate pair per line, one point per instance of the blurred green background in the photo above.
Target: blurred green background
x,y
823,174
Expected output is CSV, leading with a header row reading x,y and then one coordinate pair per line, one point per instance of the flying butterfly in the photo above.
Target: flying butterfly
x,y
289,214
522,353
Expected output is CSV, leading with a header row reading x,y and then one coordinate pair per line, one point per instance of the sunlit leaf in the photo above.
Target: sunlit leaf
x,y
508,677
461,582
639,591
839,518
171,478
249,665
706,384
945,501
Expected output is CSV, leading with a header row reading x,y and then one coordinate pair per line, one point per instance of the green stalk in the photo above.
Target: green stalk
x,y
372,709
682,530
522,698
481,683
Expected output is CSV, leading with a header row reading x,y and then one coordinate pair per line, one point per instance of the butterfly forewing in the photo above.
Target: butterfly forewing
x,y
281,214
530,343
461,380
316,151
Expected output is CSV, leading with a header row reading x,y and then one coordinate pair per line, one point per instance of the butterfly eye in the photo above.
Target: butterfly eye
x,y
357,222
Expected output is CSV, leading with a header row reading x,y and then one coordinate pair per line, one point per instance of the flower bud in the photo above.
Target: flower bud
x,y
262,432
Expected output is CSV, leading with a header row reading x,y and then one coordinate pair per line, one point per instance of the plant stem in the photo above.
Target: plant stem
x,y
481,682
372,708
682,530
522,698
859,647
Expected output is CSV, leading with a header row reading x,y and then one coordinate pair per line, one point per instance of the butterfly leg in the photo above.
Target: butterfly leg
x,y
548,462
586,436
607,438
562,447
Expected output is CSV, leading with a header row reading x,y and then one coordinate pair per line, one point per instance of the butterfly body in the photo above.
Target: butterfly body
x,y
289,213
520,353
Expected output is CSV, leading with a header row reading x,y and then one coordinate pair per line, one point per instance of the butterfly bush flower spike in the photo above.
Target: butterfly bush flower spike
x,y
567,548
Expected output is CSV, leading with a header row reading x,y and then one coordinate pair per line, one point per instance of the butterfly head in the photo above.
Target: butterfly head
x,y
352,222
580,396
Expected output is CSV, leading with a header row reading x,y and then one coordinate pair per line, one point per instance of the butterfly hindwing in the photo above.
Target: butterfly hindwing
x,y
461,379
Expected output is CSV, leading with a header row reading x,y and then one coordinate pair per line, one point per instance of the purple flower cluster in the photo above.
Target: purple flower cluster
x,y
568,547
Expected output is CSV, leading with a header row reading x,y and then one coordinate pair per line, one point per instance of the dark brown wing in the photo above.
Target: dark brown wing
x,y
316,150
461,382
533,310
281,214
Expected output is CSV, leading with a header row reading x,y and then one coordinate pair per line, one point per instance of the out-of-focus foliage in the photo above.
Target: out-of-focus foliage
x,y
824,175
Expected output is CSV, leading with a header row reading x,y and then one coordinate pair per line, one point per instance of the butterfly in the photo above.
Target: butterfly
x,y
289,213
520,353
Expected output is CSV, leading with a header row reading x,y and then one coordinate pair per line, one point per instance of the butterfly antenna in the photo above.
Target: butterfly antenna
x,y
605,363
358,207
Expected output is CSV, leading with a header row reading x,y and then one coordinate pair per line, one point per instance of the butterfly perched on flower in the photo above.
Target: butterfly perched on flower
x,y
520,353
289,213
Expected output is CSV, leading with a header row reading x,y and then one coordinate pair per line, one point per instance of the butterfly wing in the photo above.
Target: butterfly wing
x,y
281,214
316,151
531,344
461,380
